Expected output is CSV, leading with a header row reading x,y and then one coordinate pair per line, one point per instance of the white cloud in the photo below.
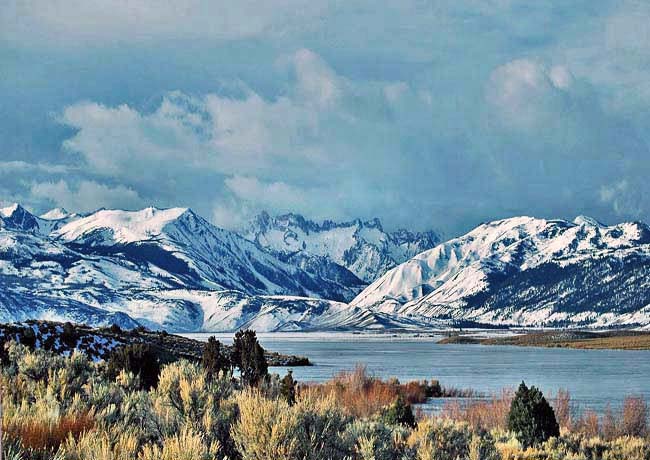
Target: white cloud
x,y
86,196
278,154
623,198
22,167
526,93
278,195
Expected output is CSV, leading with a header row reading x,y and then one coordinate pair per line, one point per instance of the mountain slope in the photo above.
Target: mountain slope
x,y
525,271
364,248
202,255
121,266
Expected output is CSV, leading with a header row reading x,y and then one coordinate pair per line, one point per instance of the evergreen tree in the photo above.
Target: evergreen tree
x,y
288,388
531,417
248,356
399,413
139,359
214,359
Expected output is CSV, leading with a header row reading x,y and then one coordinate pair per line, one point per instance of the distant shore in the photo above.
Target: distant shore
x,y
586,340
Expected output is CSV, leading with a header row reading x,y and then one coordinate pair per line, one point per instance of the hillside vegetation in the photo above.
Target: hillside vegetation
x,y
74,408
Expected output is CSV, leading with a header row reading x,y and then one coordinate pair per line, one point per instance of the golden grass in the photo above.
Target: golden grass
x,y
616,340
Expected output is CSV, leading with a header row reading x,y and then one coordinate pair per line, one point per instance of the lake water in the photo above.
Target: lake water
x,y
593,377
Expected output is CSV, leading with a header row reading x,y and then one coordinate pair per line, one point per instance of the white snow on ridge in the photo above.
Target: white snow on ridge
x,y
436,282
55,214
122,226
8,210
170,268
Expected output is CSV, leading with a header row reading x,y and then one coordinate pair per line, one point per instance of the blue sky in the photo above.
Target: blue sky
x,y
426,114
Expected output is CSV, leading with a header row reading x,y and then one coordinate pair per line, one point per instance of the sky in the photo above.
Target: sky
x,y
427,114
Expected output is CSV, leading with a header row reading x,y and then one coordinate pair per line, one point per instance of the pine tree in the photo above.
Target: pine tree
x,y
248,356
531,417
214,359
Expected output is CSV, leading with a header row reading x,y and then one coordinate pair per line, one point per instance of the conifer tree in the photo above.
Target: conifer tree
x,y
248,357
531,417
214,359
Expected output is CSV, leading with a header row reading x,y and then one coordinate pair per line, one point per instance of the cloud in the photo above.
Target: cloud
x,y
274,194
76,22
86,196
285,153
476,110
526,93
623,198
22,167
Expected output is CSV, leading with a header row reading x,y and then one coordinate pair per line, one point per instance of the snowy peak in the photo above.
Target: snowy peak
x,y
15,217
589,221
55,214
116,226
9,210
363,247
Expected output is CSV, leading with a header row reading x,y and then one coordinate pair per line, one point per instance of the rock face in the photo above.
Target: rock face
x,y
364,248
528,272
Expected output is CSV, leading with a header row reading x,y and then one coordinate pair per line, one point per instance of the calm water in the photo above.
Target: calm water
x,y
593,377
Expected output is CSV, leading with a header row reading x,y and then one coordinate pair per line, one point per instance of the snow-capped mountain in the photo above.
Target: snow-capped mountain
x,y
364,248
181,242
525,271
171,269
15,217
121,266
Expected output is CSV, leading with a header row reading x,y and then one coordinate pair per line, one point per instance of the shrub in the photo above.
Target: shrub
x,y
271,429
531,418
371,440
635,417
69,335
441,439
266,429
489,415
563,410
288,388
137,358
37,433
186,445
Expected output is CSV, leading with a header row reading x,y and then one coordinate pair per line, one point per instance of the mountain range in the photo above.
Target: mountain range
x,y
172,269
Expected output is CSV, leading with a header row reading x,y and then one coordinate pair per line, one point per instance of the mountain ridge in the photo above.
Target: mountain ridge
x,y
172,269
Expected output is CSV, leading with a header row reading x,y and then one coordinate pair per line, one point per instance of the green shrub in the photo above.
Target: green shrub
x,y
139,359
399,413
437,439
531,417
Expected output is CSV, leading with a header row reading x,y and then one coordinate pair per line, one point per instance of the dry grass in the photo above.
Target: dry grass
x,y
363,395
360,394
616,340
48,435
490,414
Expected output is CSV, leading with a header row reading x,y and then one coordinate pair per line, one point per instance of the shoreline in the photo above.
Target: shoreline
x,y
574,339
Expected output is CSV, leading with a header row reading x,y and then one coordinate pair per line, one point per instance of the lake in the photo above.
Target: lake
x,y
593,377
